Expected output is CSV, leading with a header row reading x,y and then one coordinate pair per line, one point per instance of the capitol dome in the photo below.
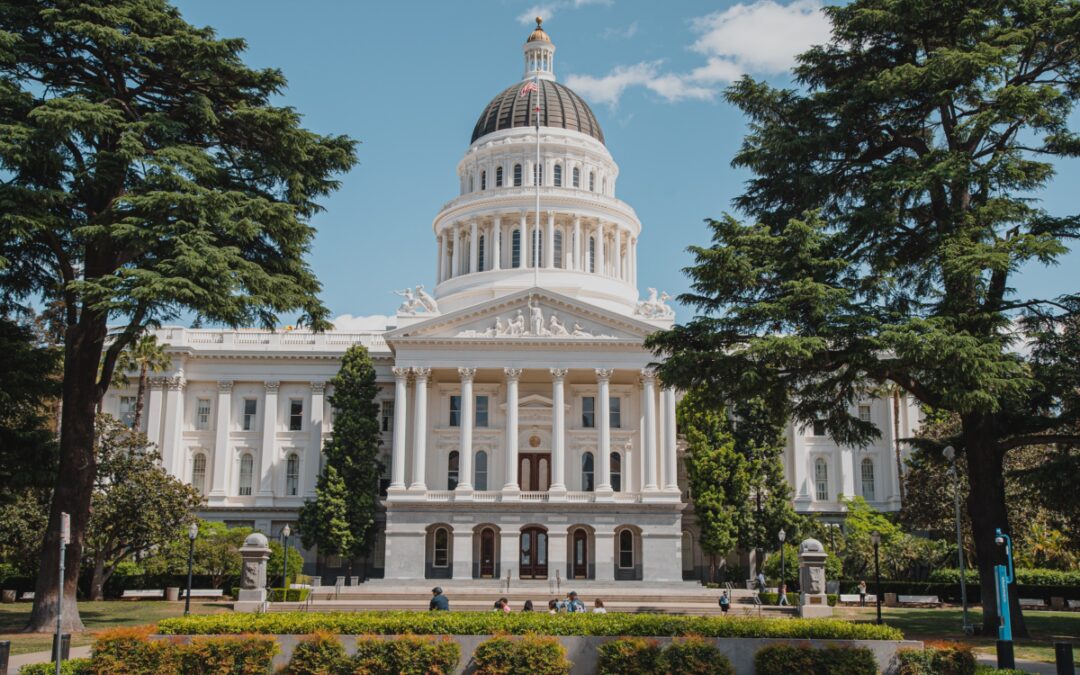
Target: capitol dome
x,y
559,107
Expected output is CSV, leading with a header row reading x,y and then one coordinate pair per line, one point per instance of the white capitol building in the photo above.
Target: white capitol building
x,y
524,432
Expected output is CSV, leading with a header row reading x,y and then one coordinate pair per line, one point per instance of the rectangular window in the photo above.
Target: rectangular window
x,y
296,414
387,415
864,413
127,411
615,412
202,414
588,412
250,408
819,428
481,411
455,411
517,175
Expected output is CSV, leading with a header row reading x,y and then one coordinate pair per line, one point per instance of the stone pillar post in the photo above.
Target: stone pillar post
x,y
268,454
813,602
600,269
419,477
496,245
401,412
576,259
253,554
648,401
524,239
474,248
558,436
222,454
549,238
465,455
671,472
311,468
153,410
603,405
455,255
511,488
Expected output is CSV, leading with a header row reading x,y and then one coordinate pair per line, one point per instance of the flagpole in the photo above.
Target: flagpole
x,y
537,177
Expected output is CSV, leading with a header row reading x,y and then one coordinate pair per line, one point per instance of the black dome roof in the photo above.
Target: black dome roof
x,y
559,107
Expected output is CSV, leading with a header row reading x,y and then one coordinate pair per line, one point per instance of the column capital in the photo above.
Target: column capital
x,y
158,382
421,373
466,374
177,383
648,374
318,387
604,374
400,373
558,374
271,387
512,373
225,386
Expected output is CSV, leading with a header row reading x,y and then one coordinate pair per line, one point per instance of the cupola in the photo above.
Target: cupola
x,y
539,54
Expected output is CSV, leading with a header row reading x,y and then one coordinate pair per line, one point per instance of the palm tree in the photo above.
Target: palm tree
x,y
146,355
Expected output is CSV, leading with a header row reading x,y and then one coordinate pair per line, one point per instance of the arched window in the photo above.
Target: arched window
x,y
576,177
483,180
558,175
198,472
626,549
592,254
558,248
821,480
868,479
515,249
292,475
452,470
480,253
616,472
480,470
587,472
246,463
441,554
517,175
498,176
592,181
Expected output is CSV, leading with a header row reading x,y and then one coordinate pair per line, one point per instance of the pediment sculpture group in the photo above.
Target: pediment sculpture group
x,y
417,301
535,325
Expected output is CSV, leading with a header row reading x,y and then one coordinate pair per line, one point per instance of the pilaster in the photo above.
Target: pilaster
x,y
267,455
222,451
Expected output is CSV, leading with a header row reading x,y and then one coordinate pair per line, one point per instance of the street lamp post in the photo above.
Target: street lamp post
x,y
875,537
193,532
950,455
285,532
782,536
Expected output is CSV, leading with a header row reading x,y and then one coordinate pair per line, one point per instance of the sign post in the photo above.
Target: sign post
x,y
65,536
1003,576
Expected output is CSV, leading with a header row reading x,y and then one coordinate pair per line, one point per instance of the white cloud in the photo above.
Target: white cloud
x,y
348,322
760,38
620,33
547,10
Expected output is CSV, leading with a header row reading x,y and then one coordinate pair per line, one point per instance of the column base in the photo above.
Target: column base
x,y
463,493
557,493
264,499
511,493
216,499
604,493
418,487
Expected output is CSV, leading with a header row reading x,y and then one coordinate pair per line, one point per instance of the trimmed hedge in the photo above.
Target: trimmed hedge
x,y
520,623
952,660
407,655
291,595
788,659
317,654
533,654
638,656
950,592
770,598
630,656
69,667
127,651
1029,576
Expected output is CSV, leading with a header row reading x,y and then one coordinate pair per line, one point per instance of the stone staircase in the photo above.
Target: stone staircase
x,y
480,596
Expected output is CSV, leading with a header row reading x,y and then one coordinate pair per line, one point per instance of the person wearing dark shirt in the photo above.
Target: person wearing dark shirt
x,y
438,600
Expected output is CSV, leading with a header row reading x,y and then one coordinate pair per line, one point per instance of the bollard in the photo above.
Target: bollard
x,y
1005,658
65,646
1063,657
5,652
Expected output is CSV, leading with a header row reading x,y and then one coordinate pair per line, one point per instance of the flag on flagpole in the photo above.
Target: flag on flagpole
x,y
529,86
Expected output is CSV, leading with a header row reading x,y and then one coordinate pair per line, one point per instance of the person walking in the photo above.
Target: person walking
x,y
862,593
598,607
438,601
725,603
783,595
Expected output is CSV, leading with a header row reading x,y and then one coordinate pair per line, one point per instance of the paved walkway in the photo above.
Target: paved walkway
x,y
1026,666
21,660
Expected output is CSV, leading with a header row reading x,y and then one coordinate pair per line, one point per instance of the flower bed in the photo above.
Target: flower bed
x,y
483,623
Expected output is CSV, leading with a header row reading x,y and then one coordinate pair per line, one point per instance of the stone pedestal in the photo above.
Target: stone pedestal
x,y
254,553
813,602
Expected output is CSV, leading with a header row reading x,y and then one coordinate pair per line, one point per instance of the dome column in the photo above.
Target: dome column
x,y
455,261
474,249
523,240
496,236
618,257
576,264
600,268
549,241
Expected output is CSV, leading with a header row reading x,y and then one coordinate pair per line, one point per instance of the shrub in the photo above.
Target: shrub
x,y
785,659
127,651
770,598
695,656
630,656
1029,576
290,595
944,660
318,654
408,655
533,654
519,623
69,667
243,655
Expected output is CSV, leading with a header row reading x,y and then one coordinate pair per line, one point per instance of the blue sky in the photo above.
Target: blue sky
x,y
408,80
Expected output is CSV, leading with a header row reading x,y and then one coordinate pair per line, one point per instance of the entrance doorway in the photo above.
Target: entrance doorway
x,y
487,553
533,558
580,569
534,471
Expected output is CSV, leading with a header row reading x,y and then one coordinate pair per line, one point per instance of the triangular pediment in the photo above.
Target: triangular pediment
x,y
535,315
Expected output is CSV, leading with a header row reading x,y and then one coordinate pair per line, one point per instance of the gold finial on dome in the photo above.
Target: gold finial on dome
x,y
538,34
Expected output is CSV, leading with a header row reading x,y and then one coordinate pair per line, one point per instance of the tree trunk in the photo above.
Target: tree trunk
x,y
988,511
712,569
896,442
144,376
83,346
97,581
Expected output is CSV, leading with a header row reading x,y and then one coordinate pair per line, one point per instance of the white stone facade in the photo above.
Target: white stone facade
x,y
524,432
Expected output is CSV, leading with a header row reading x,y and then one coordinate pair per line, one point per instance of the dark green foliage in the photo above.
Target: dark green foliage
x,y
290,595
630,656
69,667
531,653
408,655
341,519
128,651
806,660
697,656
936,661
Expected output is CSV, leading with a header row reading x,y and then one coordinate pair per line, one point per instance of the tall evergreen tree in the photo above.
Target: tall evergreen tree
x,y
147,174
341,519
891,198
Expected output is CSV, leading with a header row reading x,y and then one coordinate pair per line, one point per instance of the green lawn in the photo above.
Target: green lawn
x,y
96,616
944,624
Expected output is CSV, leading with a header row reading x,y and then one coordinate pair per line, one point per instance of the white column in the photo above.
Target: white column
x,y
496,247
465,454
401,410
455,259
474,248
617,258
600,249
671,473
171,451
525,240
438,259
512,375
222,454
549,237
633,261
420,430
558,433
269,445
603,405
311,468
153,410
648,446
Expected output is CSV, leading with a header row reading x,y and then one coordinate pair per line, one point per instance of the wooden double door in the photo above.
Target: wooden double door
x,y
533,558
487,553
534,471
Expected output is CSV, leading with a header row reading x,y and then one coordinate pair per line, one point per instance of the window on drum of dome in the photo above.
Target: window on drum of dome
x,y
587,472
292,475
576,177
592,182
483,180
558,249
480,253
592,254
517,175
558,175
452,470
537,247
538,174
515,249
867,470
498,177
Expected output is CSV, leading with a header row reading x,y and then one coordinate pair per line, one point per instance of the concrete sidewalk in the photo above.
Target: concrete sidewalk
x,y
17,662
1027,666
